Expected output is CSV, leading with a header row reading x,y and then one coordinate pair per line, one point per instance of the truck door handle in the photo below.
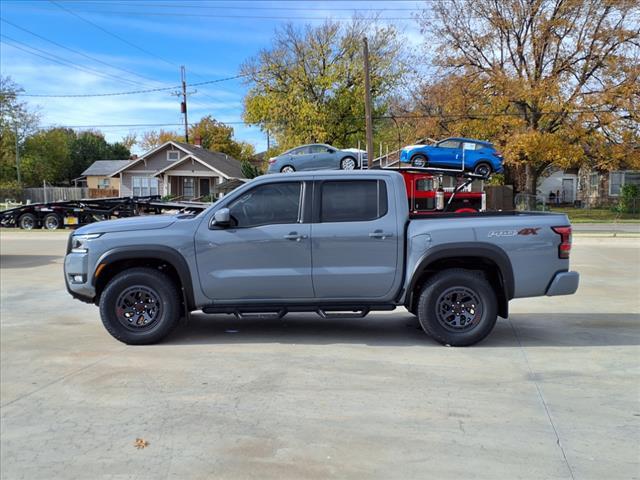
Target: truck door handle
x,y
295,236
380,234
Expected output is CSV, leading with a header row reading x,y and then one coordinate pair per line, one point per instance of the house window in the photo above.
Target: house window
x,y
616,180
173,155
144,186
187,187
103,183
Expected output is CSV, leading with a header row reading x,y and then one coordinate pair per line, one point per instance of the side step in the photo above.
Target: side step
x,y
267,311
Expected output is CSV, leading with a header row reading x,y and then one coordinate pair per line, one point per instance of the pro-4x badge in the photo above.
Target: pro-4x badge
x,y
529,231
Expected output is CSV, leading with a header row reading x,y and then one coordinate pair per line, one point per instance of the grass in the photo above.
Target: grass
x,y
597,215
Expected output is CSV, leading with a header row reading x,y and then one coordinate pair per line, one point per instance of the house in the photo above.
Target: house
x,y
98,175
179,170
585,186
601,188
556,185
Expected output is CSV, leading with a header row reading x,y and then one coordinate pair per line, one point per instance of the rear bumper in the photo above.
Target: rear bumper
x,y
563,283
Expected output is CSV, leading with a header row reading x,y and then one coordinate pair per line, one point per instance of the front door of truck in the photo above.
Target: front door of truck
x,y
355,240
265,254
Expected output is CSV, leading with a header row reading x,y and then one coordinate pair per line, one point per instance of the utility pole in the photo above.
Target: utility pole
x,y
17,155
268,141
183,103
367,102
183,106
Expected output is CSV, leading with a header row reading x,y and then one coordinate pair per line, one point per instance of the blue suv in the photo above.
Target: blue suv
x,y
458,153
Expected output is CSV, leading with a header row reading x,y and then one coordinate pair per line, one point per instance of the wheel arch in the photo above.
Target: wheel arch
x,y
164,258
489,259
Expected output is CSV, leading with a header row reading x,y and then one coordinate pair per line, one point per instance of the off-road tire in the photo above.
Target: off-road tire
x,y
169,305
468,280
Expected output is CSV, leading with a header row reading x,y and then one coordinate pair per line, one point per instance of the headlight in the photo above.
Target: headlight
x,y
79,242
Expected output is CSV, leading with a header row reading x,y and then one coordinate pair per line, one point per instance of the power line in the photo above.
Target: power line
x,y
124,40
244,7
357,117
77,52
61,61
130,92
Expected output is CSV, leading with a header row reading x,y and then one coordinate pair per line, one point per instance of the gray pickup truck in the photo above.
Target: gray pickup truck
x,y
336,243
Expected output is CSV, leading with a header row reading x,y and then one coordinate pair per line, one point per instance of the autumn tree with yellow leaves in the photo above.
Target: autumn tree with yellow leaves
x,y
552,82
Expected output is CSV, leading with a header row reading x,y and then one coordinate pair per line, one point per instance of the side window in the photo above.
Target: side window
x,y
300,151
449,144
317,149
424,185
353,200
275,203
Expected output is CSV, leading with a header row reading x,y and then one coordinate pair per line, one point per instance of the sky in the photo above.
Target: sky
x,y
81,47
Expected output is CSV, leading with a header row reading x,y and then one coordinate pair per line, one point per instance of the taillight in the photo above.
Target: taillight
x,y
564,249
497,154
272,161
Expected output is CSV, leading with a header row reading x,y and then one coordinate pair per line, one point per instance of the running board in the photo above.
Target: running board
x,y
328,311
361,313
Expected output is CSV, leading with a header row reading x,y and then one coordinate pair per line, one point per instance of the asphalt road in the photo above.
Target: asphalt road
x,y
552,393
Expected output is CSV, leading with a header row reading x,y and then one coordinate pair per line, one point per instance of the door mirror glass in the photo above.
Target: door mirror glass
x,y
222,218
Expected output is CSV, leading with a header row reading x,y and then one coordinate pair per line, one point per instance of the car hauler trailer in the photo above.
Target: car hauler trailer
x,y
74,213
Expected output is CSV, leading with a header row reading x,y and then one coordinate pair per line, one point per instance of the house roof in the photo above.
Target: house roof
x,y
221,162
105,167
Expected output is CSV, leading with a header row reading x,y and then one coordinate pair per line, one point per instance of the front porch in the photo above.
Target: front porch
x,y
190,187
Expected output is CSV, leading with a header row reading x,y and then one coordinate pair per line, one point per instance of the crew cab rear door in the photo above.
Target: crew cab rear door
x,y
265,254
354,239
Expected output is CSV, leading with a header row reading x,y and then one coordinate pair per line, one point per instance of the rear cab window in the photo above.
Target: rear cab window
x,y
352,200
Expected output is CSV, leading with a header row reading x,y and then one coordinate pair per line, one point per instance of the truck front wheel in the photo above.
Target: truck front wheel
x,y
140,306
457,307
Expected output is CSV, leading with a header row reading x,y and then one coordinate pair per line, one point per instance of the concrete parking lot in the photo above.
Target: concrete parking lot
x,y
554,392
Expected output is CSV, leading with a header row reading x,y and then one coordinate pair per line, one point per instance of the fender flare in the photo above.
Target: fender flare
x,y
152,252
468,249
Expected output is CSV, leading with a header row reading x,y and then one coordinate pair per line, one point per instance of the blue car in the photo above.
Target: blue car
x,y
456,153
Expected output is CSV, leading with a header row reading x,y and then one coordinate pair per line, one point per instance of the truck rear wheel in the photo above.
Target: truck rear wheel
x,y
457,307
140,306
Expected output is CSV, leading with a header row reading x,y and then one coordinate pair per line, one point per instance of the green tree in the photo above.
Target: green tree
x,y
215,136
15,117
556,82
48,156
309,86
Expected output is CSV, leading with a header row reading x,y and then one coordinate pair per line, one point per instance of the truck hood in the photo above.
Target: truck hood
x,y
150,222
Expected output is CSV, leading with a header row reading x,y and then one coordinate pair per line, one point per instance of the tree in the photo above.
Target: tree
x,y
48,156
15,117
309,86
556,81
216,136
129,140
155,138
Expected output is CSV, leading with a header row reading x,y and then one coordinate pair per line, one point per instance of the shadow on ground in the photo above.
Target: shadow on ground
x,y
403,329
27,261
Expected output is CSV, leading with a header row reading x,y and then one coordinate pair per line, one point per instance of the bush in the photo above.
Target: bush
x,y
629,199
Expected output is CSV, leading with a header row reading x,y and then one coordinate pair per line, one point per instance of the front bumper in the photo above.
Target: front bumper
x,y
77,264
563,283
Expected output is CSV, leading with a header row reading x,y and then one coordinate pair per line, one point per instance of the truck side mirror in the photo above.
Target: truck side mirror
x,y
222,218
